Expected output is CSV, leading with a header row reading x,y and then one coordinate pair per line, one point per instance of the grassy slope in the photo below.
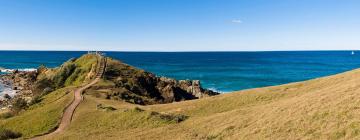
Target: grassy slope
x,y
81,75
324,108
44,116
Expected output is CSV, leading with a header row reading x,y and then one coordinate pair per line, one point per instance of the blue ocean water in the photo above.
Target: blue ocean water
x,y
221,71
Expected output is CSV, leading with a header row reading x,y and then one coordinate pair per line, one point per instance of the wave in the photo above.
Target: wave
x,y
6,89
3,70
216,90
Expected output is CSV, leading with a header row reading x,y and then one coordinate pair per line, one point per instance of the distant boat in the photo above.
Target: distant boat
x,y
352,53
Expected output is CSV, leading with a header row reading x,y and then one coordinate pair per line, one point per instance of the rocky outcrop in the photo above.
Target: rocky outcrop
x,y
21,85
141,87
173,90
20,81
124,82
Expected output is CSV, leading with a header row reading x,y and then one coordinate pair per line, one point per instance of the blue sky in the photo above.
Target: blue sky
x,y
179,25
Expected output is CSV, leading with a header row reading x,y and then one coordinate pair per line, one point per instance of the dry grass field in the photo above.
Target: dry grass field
x,y
323,108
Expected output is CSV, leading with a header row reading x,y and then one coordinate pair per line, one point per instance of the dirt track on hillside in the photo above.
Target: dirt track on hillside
x,y
69,111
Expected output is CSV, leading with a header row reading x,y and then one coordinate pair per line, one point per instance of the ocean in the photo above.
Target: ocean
x,y
220,71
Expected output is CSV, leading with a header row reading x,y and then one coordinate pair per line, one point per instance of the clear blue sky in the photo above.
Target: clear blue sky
x,y
179,25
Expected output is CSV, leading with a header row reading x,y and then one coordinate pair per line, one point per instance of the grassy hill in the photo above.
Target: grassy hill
x,y
323,108
44,115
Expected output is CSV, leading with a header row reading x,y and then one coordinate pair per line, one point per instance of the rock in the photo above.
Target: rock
x,y
47,90
150,88
7,96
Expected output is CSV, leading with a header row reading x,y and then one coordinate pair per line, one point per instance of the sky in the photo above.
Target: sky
x,y
180,25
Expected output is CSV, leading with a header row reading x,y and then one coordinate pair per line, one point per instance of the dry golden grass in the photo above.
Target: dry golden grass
x,y
324,108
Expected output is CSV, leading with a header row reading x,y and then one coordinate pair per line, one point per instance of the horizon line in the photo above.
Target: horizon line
x,y
175,51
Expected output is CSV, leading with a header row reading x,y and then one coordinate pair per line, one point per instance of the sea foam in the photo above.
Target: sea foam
x,y
12,70
6,89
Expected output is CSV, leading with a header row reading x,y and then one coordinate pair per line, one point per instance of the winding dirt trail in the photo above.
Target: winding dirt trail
x,y
69,111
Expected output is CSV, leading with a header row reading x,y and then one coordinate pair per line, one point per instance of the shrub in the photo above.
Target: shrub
x,y
6,115
8,134
65,71
36,99
106,108
177,118
43,86
18,105
41,68
138,109
76,76
47,90
111,71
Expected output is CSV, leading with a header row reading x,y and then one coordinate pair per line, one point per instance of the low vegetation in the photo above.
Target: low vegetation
x,y
324,108
8,134
127,83
51,89
42,117
72,73
171,118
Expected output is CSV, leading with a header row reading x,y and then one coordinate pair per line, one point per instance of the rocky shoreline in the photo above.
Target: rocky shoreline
x,y
7,91
125,83
15,84
145,88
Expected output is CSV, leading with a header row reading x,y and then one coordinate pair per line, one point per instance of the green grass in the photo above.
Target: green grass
x,y
42,117
84,65
74,72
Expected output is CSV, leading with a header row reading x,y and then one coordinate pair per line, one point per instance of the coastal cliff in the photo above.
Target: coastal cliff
x,y
124,82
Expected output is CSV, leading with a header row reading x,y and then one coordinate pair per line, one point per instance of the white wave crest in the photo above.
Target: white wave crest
x,y
12,70
216,90
6,89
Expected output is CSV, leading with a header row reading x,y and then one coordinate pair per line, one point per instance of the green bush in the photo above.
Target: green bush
x,y
8,134
137,109
36,99
65,71
43,86
73,77
105,108
176,118
6,115
18,105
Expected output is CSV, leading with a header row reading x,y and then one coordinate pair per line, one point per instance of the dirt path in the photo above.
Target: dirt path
x,y
69,111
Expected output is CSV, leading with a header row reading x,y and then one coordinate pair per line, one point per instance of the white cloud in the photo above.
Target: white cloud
x,y
237,21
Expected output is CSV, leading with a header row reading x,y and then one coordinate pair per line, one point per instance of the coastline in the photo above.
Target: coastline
x,y
6,86
7,82
221,71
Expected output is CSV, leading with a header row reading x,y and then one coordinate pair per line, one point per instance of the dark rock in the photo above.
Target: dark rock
x,y
7,96
138,84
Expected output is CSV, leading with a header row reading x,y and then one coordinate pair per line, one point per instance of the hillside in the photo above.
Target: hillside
x,y
124,82
323,108
45,93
